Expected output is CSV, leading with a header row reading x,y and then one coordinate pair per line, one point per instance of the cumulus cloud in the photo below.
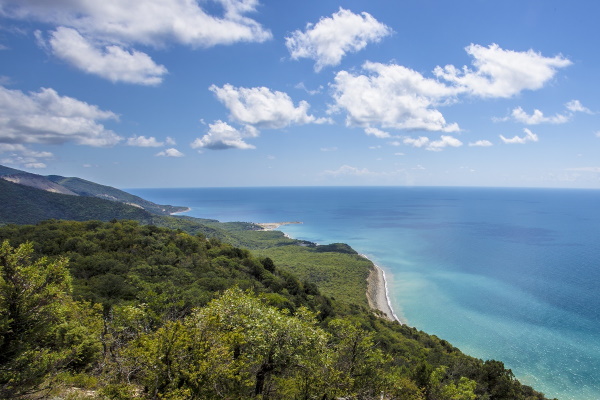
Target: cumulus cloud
x,y
262,108
103,30
47,117
433,145
529,137
18,154
142,141
328,41
481,143
109,62
151,22
418,142
502,73
172,152
538,117
222,136
391,96
443,142
377,133
576,106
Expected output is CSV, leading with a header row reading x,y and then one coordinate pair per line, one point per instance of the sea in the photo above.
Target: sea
x,y
505,274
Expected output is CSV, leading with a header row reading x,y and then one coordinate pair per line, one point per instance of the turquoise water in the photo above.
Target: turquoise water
x,y
508,274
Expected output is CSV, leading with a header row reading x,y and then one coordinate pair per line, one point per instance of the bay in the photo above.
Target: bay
x,y
506,274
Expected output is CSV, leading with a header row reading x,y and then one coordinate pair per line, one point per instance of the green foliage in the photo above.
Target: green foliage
x,y
341,275
26,205
41,329
236,346
181,316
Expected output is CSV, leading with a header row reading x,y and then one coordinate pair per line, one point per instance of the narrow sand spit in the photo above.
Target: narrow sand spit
x,y
271,226
377,294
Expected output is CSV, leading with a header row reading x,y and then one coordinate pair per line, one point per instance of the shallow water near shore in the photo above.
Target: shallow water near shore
x,y
508,274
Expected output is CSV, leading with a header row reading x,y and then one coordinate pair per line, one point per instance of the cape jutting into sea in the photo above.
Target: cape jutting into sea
x,y
506,274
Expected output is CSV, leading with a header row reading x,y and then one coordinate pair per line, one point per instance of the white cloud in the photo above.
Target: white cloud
x,y
598,134
262,108
302,86
502,73
104,29
222,136
444,141
170,141
481,143
150,22
538,117
433,145
47,117
172,152
529,137
329,149
377,133
109,62
36,165
142,141
391,96
576,106
348,170
328,41
20,155
418,142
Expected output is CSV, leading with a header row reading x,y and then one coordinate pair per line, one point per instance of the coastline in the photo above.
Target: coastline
x,y
271,226
187,209
377,288
377,292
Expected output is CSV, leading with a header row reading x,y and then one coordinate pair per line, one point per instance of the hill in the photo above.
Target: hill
x,y
81,187
27,205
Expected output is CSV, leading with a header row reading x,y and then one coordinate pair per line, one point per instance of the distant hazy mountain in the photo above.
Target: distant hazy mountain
x,y
83,188
20,204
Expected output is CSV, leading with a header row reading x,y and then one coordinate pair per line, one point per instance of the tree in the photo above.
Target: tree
x,y
443,388
358,361
235,347
42,330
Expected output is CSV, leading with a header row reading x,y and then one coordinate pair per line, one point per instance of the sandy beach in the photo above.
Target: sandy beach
x,y
187,209
377,293
271,226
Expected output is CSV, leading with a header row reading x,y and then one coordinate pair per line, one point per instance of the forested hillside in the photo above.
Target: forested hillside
x,y
120,310
76,187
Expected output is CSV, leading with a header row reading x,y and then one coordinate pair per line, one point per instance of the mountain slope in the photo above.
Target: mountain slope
x,y
26,205
81,187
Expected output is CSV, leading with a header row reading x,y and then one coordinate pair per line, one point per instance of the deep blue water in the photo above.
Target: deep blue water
x,y
508,274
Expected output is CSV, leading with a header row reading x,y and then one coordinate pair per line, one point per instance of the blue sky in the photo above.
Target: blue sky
x,y
174,93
